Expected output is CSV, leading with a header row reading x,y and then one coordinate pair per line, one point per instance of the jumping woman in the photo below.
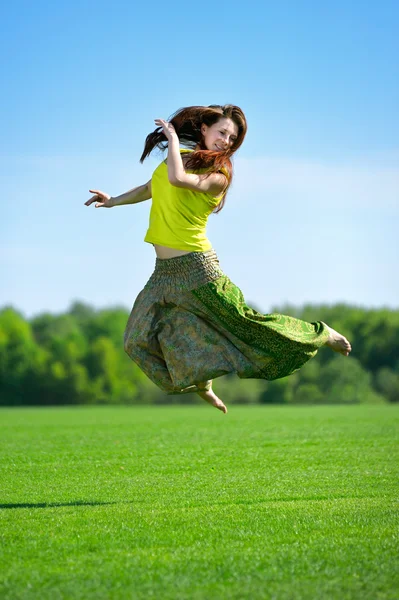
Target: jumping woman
x,y
190,323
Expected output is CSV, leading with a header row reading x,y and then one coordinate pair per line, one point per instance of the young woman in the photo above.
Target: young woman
x,y
190,323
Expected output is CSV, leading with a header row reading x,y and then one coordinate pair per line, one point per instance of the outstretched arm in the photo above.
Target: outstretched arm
x,y
213,184
133,196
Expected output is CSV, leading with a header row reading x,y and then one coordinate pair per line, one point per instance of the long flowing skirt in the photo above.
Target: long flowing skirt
x,y
190,324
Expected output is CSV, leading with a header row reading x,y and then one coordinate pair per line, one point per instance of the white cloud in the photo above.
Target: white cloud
x,y
346,186
292,231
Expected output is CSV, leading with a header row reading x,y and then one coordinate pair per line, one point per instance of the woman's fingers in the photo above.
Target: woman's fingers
x,y
96,200
161,123
99,198
99,193
167,127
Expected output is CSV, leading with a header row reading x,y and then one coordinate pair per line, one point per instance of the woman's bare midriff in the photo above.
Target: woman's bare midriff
x,y
165,252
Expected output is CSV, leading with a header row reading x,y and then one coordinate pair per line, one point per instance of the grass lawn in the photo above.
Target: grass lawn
x,y
186,503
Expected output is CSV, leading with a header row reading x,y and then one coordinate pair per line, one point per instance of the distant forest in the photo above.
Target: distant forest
x,y
78,358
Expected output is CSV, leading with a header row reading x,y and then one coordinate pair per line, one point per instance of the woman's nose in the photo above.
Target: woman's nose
x,y
225,140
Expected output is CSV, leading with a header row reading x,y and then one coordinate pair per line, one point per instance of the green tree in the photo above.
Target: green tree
x,y
387,383
280,391
234,390
22,362
346,381
78,357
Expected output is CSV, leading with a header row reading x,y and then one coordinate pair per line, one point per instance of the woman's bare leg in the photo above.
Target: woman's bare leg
x,y
338,342
209,396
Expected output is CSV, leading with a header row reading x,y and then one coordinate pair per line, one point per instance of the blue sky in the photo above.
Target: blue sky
x,y
312,215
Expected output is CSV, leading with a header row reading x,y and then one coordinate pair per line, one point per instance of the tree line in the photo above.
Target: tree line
x,y
78,358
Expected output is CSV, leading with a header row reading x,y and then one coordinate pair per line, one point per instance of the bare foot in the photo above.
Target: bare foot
x,y
338,342
210,396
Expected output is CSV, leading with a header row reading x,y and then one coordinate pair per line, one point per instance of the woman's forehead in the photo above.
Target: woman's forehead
x,y
227,124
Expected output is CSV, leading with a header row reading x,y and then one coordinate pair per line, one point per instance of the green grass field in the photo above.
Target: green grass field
x,y
186,503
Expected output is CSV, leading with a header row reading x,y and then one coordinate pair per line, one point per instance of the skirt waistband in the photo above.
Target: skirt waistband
x,y
188,271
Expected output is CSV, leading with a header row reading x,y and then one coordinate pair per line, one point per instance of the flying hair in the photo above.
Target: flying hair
x,y
187,123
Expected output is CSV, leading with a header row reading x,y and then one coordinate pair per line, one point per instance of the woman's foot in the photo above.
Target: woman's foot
x,y
337,342
209,396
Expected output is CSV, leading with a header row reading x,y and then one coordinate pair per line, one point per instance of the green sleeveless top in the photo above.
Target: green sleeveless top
x,y
178,215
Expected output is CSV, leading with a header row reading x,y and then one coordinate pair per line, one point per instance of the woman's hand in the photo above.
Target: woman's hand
x,y
167,128
101,199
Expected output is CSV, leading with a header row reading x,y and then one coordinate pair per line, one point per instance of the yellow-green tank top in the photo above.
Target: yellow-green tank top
x,y
178,216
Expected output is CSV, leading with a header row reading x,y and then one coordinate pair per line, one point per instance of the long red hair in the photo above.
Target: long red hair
x,y
187,123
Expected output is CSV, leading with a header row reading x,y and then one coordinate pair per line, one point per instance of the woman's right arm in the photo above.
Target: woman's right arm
x,y
138,194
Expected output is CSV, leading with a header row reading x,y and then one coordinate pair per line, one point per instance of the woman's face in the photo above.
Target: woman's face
x,y
221,135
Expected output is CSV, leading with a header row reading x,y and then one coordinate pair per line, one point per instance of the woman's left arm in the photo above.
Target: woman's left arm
x,y
213,184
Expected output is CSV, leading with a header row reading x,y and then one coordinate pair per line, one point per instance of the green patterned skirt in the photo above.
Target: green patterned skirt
x,y
190,324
